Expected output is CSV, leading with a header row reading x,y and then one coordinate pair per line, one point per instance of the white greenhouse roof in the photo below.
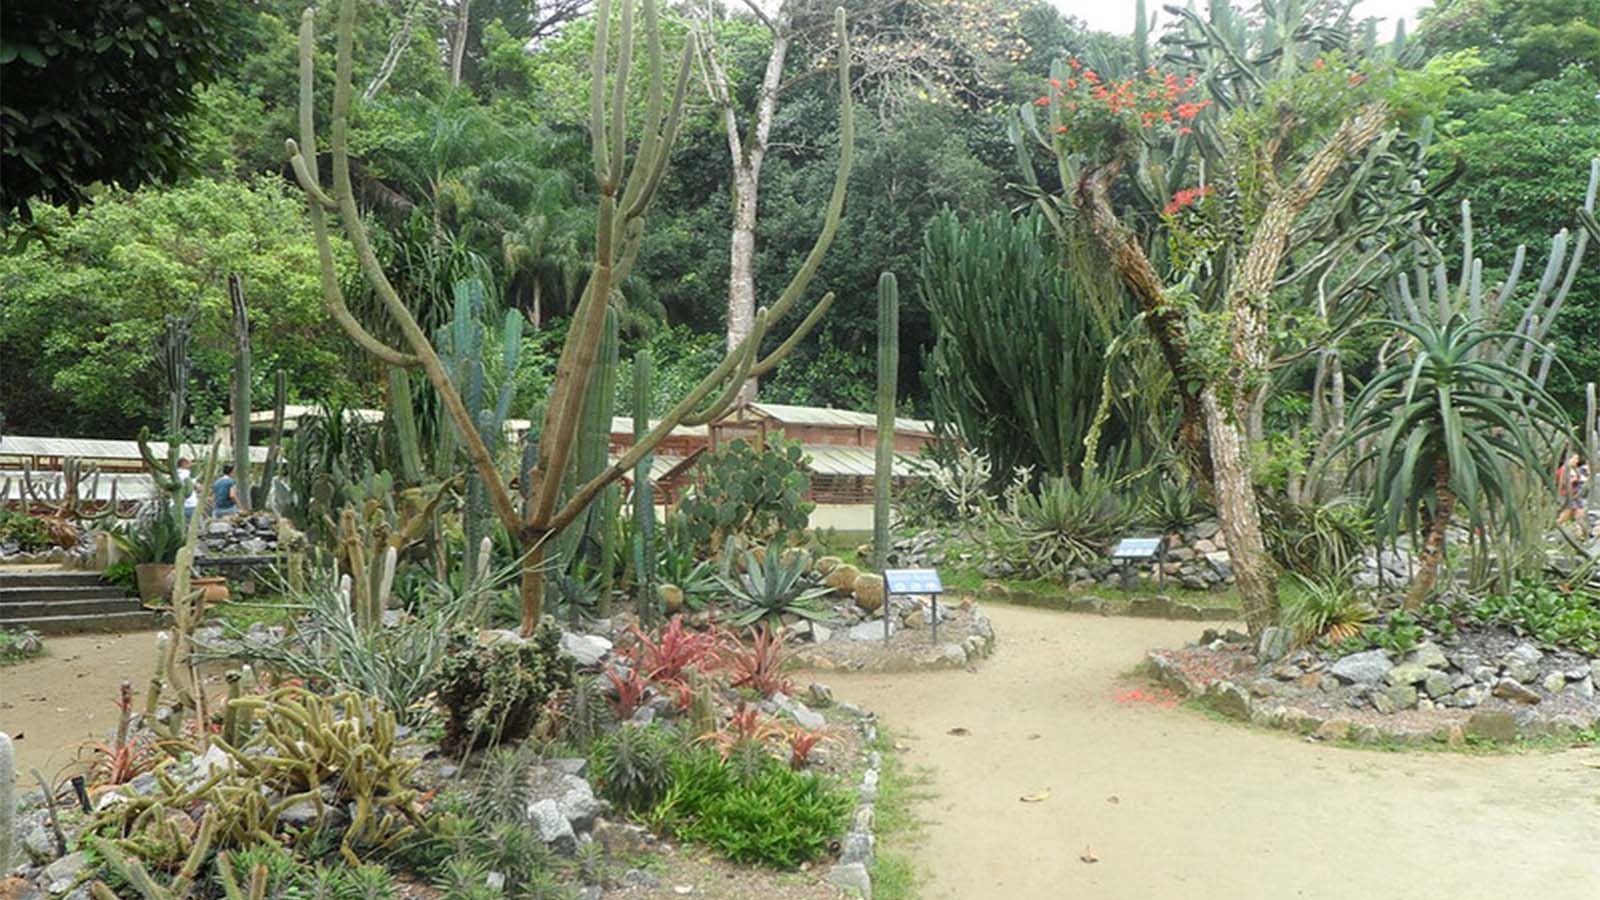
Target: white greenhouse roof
x,y
857,461
92,449
818,415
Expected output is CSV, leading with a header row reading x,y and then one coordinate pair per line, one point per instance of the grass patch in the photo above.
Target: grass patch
x,y
971,580
268,609
896,824
19,646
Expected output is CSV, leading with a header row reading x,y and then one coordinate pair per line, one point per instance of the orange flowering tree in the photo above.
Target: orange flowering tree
x,y
1268,171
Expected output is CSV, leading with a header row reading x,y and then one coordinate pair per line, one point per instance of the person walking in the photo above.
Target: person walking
x,y
1572,483
225,494
191,491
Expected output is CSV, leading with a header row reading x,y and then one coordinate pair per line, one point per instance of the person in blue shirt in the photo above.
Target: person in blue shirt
x,y
224,494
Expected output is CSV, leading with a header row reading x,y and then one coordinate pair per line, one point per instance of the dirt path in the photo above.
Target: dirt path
x,y
1205,809
70,695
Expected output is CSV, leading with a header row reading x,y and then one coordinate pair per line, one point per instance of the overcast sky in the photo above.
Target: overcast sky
x,y
1117,15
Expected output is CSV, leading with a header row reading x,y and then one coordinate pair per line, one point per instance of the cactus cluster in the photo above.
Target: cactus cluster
x,y
370,535
644,513
72,497
888,370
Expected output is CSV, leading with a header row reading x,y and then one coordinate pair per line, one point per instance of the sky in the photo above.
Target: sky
x,y
1117,15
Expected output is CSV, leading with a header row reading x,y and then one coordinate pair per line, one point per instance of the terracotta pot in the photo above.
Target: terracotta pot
x,y
154,580
213,588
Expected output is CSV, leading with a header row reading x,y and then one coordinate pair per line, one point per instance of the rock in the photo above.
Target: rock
x,y
1594,671
578,803
851,877
806,717
842,578
39,844
1384,703
619,839
552,827
1555,682
1438,685
1492,725
1221,564
1584,688
818,633
857,848
1207,529
587,649
1514,690
870,630
1333,730
59,876
1522,663
1409,673
1404,696
868,591
1467,698
1428,655
820,695
1274,643
567,765
1228,699
1368,667
1485,674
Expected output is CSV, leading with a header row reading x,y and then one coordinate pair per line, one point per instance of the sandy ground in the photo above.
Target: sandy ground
x,y
51,703
1175,804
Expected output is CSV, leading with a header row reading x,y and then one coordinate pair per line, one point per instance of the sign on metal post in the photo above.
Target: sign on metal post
x,y
1138,550
912,581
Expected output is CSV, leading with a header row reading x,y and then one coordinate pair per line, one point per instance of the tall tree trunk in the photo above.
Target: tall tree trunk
x,y
458,40
1241,521
742,262
1432,555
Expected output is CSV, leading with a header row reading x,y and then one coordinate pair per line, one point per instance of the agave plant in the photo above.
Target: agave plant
x,y
1064,524
1451,428
773,585
1324,609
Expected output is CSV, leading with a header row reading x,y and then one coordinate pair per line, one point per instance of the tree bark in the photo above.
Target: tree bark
x,y
458,40
1432,555
1241,520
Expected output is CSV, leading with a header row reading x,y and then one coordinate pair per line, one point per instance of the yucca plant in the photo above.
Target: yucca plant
x,y
1324,609
774,585
1172,503
1450,428
1064,524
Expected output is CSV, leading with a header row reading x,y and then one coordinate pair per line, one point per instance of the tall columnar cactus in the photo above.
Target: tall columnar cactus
x,y
239,397
1591,439
404,419
8,804
172,359
888,370
269,470
626,189
594,437
644,512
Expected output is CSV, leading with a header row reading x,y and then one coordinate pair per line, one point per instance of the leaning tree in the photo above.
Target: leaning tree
x,y
537,506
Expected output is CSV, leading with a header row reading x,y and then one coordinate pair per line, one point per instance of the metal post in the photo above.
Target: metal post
x,y
1161,566
888,602
935,599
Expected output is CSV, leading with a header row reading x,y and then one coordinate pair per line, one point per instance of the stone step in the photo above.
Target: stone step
x,y
143,620
11,612
9,595
48,578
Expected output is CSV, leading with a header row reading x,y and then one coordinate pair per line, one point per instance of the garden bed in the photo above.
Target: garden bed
x,y
1479,685
856,642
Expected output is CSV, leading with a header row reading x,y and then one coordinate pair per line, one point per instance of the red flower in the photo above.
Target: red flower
x,y
1042,101
1055,83
1072,83
1319,65
1357,78
1186,130
1061,129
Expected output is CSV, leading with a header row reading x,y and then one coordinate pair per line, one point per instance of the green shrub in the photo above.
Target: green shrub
x,y
1316,537
779,583
121,573
1561,618
18,645
158,541
774,816
740,490
30,534
494,692
1323,608
632,765
1062,525
1172,504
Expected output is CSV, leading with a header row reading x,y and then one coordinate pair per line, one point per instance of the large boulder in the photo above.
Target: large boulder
x,y
868,591
1368,667
1522,662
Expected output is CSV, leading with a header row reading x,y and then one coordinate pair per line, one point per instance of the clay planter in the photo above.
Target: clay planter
x,y
154,580
213,588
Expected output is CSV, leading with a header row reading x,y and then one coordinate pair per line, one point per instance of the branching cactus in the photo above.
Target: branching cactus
x,y
888,369
626,188
644,513
239,396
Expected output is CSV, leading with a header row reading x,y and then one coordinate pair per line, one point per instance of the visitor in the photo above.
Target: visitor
x,y
1572,481
191,491
225,494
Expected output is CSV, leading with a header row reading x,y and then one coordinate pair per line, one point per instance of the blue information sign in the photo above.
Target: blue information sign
x,y
1136,548
912,581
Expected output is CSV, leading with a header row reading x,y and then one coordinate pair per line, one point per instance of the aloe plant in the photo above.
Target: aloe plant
x,y
772,586
1452,428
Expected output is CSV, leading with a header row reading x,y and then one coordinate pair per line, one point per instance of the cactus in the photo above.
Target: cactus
x,y
404,419
368,538
239,397
269,469
627,183
8,804
644,512
888,370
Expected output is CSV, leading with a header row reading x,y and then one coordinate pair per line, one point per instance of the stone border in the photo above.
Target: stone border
x,y
1235,702
1146,607
852,871
958,650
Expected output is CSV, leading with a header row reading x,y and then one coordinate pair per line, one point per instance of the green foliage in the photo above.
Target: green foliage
x,y
774,816
1062,525
155,541
18,645
1562,618
1314,539
126,263
1455,418
1323,608
122,574
1172,504
29,533
1399,634
740,490
777,584
101,93
632,765
494,692
1017,367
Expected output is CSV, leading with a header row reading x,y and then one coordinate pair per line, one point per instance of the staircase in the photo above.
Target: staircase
x,y
65,602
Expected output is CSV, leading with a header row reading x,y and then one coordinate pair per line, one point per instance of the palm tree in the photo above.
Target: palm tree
x,y
1451,428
